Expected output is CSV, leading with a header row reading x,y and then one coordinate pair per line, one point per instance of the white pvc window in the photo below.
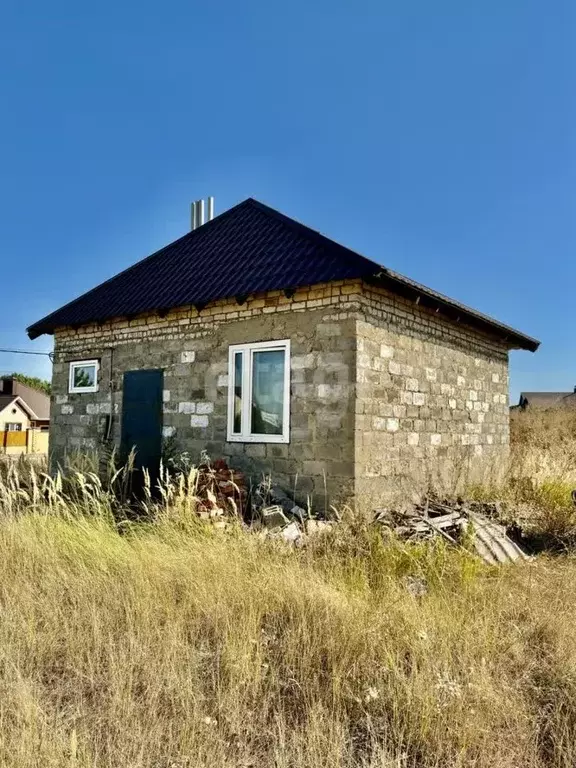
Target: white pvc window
x,y
84,376
259,392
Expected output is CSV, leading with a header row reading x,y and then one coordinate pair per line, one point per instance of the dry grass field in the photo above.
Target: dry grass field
x,y
167,644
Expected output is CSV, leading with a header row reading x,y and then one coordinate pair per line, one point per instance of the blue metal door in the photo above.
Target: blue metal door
x,y
142,422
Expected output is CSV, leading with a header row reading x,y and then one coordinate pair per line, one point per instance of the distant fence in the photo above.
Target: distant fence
x,y
14,439
24,441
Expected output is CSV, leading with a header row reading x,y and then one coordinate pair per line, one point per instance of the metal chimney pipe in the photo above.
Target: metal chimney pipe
x,y
210,208
193,216
200,212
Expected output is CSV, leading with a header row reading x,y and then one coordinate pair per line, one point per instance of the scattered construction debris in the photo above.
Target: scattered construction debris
x,y
267,497
274,517
223,492
455,521
220,490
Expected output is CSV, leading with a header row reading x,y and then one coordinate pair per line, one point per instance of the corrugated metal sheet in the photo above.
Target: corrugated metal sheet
x,y
248,249
492,543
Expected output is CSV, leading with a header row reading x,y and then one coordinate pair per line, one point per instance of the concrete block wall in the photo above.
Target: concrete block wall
x,y
384,393
431,400
192,348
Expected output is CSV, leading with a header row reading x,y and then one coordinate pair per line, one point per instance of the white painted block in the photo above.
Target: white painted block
x,y
302,361
187,357
186,407
199,421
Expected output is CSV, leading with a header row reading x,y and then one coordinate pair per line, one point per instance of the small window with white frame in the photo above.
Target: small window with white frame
x,y
259,392
84,376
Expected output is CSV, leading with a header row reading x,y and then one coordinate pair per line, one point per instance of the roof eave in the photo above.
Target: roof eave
x,y
452,309
418,293
34,331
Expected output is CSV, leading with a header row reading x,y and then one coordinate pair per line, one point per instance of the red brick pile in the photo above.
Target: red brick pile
x,y
220,490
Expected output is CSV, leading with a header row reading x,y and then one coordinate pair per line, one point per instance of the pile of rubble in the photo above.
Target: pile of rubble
x,y
454,521
280,517
220,491
223,492
276,525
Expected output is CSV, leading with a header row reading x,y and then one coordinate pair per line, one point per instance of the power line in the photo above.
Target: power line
x,y
26,352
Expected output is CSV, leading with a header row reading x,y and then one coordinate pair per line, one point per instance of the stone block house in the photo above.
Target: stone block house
x,y
257,339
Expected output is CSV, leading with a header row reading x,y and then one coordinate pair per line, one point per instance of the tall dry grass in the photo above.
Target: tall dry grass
x,y
543,445
167,644
537,483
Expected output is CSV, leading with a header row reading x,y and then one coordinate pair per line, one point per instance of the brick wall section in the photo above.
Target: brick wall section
x,y
192,348
431,399
383,392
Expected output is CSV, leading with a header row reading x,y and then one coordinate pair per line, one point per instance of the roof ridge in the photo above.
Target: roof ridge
x,y
302,228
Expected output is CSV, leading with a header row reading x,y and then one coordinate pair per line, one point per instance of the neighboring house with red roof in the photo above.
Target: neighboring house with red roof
x,y
24,418
262,341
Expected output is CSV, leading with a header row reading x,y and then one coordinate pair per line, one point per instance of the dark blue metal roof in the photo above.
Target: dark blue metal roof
x,y
248,249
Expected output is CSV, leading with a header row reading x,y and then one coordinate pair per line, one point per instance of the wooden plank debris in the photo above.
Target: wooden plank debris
x,y
454,521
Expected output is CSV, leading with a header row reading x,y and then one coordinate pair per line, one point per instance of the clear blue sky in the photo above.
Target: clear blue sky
x,y
435,137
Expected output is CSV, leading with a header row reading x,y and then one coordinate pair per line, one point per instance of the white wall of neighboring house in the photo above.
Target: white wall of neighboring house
x,y
29,440
14,414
